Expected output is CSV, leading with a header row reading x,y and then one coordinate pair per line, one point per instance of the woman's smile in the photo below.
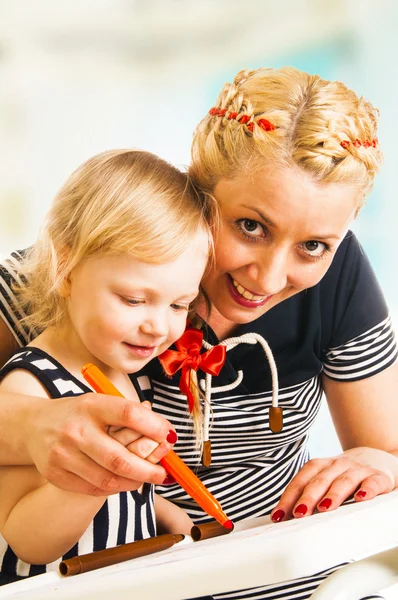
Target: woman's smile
x,y
245,297
279,230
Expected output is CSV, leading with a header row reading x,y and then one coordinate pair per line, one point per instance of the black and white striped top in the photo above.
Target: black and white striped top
x,y
339,327
123,518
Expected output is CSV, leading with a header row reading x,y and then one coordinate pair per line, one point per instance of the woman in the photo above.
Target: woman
x,y
289,158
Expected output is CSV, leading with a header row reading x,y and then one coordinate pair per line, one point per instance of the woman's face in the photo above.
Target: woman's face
x,y
279,232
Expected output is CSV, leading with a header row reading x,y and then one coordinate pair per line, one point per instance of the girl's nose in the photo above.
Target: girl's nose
x,y
155,324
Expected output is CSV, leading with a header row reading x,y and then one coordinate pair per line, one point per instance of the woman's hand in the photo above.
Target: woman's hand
x,y
324,484
68,441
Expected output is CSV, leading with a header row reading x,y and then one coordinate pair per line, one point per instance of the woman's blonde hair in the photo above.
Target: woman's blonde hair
x,y
116,202
285,117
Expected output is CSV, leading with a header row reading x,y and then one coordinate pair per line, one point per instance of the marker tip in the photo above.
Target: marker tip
x,y
228,524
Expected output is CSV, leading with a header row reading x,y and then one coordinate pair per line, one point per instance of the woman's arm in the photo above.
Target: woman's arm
x,y
171,518
365,414
67,439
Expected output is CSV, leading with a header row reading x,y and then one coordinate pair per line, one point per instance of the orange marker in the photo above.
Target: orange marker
x,y
171,462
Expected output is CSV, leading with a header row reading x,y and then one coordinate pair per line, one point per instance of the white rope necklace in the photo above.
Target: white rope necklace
x,y
275,412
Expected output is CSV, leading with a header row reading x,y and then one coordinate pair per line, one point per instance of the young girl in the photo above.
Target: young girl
x,y
109,282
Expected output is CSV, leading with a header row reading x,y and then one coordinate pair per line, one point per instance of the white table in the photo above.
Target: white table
x,y
258,552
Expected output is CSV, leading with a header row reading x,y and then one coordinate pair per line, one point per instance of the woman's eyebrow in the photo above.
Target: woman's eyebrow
x,y
325,236
261,215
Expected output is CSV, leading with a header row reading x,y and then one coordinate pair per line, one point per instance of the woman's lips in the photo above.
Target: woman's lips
x,y
237,290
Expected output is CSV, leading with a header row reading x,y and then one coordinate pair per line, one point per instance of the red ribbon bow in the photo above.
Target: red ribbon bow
x,y
188,356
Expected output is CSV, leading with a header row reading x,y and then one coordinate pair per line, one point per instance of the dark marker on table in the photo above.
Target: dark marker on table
x,y
118,554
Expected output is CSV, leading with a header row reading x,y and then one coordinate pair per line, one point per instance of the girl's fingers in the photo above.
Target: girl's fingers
x,y
145,448
159,452
125,436
121,412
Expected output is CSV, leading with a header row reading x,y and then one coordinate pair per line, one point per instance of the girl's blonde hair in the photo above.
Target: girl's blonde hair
x,y
285,117
116,202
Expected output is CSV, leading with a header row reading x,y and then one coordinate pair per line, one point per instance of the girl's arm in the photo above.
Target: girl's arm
x,y
39,521
365,414
171,518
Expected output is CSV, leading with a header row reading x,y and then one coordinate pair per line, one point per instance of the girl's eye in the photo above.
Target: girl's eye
x,y
180,307
315,249
251,228
133,301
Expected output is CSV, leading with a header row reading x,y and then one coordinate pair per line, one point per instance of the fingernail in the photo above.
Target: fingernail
x,y
361,494
301,510
278,515
171,437
326,503
169,479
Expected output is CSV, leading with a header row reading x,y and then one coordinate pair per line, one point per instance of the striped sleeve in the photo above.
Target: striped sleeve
x,y
9,311
364,355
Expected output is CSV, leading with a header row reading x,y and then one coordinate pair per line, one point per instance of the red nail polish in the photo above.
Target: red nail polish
x,y
361,494
326,503
171,437
278,516
168,480
301,510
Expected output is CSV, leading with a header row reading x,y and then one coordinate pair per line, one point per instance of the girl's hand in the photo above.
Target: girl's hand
x,y
140,445
324,484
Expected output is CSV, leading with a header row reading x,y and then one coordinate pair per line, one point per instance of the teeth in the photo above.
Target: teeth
x,y
245,293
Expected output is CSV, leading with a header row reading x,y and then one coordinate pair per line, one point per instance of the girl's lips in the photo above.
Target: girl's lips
x,y
239,299
140,351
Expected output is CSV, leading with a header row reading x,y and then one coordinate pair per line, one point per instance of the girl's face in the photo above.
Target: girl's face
x,y
278,234
124,311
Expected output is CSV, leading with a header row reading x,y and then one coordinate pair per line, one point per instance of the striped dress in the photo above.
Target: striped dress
x,y
339,328
123,518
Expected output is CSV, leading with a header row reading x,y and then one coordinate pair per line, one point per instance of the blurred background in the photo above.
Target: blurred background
x,y
80,76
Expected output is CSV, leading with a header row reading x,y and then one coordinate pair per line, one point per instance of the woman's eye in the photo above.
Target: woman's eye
x,y
251,227
315,248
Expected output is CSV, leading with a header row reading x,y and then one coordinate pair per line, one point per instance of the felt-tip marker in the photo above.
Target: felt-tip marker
x,y
113,556
171,462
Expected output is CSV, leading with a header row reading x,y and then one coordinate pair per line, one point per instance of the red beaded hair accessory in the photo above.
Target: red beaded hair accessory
x,y
242,119
357,143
